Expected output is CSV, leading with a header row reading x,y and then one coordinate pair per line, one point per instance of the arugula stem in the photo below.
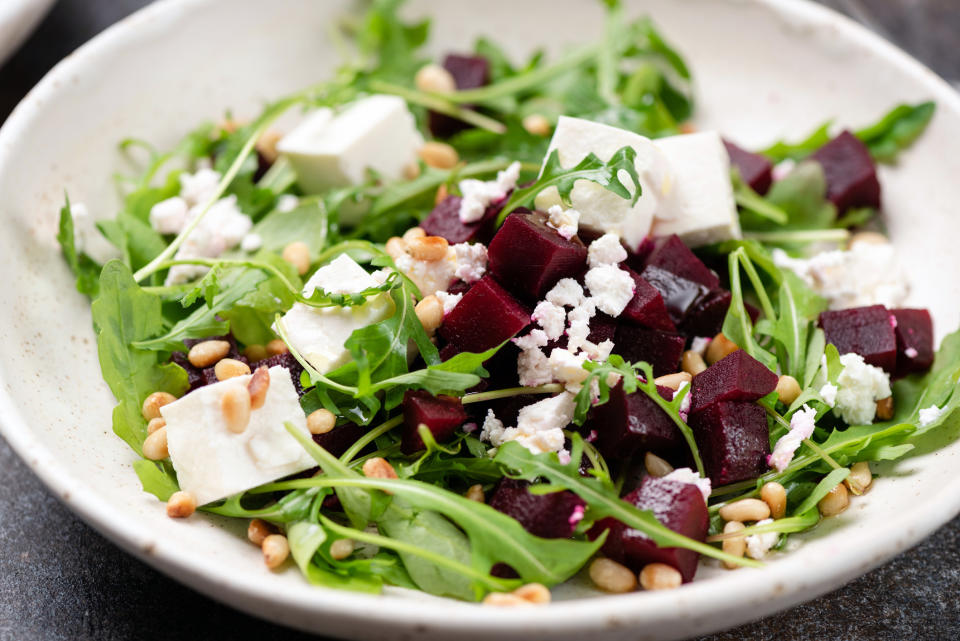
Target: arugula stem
x,y
370,437
440,103
482,397
233,262
808,442
758,287
804,236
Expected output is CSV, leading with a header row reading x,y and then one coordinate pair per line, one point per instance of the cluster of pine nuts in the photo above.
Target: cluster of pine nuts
x,y
771,504
616,578
273,545
155,445
673,381
525,595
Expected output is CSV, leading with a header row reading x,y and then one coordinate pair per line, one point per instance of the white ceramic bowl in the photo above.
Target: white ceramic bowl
x,y
18,18
764,68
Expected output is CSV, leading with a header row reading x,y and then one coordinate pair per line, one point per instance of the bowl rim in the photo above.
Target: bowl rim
x,y
767,590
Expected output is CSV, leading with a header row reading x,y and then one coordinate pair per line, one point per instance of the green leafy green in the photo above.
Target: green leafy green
x,y
83,267
897,130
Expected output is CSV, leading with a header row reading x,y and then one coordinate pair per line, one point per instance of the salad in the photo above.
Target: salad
x,y
472,326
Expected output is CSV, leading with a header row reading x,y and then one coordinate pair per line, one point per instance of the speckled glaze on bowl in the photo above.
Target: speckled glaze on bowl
x,y
764,69
17,21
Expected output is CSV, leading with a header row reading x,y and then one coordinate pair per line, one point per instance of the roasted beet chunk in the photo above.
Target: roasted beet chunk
x,y
706,318
736,377
733,439
469,72
647,307
339,439
441,414
661,349
671,254
867,331
196,376
631,423
755,170
678,506
550,516
680,295
529,256
914,340
850,173
485,317
444,221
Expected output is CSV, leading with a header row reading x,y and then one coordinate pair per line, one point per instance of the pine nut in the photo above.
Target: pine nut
x,y
655,465
258,530
537,125
535,593
258,386
155,424
206,353
745,510
155,445
411,171
341,549
275,550
395,247
297,254
692,362
230,368
835,502
775,496
428,248
860,478
610,576
442,193
434,78
439,155
505,600
180,505
430,313
255,353
673,381
737,546
413,233
867,237
720,347
321,421
153,403
885,408
660,576
267,145
277,347
475,493
378,468
788,389
235,405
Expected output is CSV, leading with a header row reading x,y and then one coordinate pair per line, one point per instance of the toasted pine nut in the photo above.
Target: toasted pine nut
x,y
321,421
442,193
258,530
180,505
720,347
660,576
153,403
537,124
439,155
535,593
255,353
413,233
475,493
885,409
788,389
610,576
155,424
341,548
277,347
835,502
860,478
411,170
378,468
505,600
775,496
428,248
745,510
230,368
869,237
155,445
267,145
692,362
655,465
275,550
297,254
737,546
206,353
258,386
235,405
433,77
395,247
673,381
430,313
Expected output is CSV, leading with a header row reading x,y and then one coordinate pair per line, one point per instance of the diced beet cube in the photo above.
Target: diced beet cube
x,y
867,331
678,506
441,414
914,340
637,260
469,72
550,516
706,319
661,349
339,439
602,328
671,254
529,256
733,439
850,173
632,423
486,316
289,361
647,307
736,377
755,170
194,375
680,295
444,221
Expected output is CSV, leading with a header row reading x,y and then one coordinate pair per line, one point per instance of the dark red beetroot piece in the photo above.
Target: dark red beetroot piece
x,y
736,377
867,331
671,254
631,423
486,316
850,173
637,260
469,72
678,506
755,170
196,376
529,257
661,349
647,307
733,439
680,295
339,439
444,221
441,414
550,516
914,340
706,318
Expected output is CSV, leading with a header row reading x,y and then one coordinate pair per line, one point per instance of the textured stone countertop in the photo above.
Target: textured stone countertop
x,y
59,579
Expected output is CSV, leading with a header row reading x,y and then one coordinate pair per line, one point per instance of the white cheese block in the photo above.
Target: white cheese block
x,y
701,208
318,334
600,208
212,462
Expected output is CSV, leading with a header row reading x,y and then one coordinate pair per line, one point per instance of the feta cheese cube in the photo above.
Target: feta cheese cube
x,y
212,462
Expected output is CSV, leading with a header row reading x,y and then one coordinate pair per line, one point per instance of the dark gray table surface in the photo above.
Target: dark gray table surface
x,y
59,579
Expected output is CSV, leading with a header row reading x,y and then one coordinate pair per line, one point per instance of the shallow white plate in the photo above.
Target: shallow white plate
x,y
18,18
763,68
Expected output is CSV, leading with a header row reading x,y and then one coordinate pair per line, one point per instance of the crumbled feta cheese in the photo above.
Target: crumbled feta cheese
x,y
565,221
87,238
479,194
829,394
449,301
471,261
251,242
759,544
492,429
687,475
199,188
430,276
221,228
611,288
861,386
287,202
802,424
598,352
539,426
577,515
552,318
535,338
699,344
169,216
533,368
684,409
566,293
929,415
579,324
910,352
567,367
606,250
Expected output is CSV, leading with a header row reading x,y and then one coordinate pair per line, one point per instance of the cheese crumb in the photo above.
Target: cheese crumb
x,y
251,242
471,261
449,301
687,475
759,544
829,394
930,415
861,386
802,424
606,250
565,221
611,288
480,194
552,318
566,293
169,216
539,426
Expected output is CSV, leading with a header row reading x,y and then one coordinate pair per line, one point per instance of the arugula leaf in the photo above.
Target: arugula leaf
x,y
83,267
306,540
320,298
782,150
157,478
306,223
801,196
897,130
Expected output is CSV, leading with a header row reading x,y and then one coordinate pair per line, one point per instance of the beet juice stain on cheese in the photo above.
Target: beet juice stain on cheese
x,y
477,323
